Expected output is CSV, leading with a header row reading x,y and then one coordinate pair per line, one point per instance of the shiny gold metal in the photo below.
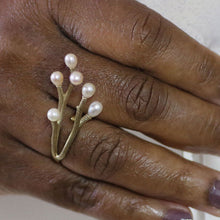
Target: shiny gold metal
x,y
56,115
56,126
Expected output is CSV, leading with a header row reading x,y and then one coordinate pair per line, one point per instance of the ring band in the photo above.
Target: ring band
x,y
55,115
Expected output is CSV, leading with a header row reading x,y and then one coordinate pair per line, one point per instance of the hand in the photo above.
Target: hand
x,y
150,77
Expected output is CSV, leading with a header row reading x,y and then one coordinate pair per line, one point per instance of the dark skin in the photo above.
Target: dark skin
x,y
150,77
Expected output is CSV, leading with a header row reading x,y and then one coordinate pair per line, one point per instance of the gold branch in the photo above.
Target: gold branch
x,y
56,115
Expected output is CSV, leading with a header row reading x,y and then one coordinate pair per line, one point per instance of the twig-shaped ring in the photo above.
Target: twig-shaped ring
x,y
55,115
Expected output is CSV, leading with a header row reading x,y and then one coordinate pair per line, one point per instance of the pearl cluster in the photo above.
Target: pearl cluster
x,y
76,78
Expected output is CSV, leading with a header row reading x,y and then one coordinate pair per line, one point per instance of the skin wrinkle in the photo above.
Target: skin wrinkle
x,y
145,33
147,167
168,36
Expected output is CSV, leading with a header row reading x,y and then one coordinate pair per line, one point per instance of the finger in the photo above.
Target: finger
x,y
106,153
4,190
139,102
110,154
130,98
28,172
129,32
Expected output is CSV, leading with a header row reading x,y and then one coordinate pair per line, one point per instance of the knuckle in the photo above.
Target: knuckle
x,y
108,154
213,128
209,132
141,28
181,181
145,98
206,69
152,31
135,206
81,193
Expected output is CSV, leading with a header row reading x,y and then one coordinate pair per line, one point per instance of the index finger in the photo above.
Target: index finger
x,y
131,33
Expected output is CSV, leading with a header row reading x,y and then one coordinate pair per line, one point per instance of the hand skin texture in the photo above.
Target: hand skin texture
x,y
150,77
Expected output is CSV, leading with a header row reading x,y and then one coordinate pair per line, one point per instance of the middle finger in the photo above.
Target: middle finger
x,y
140,102
107,153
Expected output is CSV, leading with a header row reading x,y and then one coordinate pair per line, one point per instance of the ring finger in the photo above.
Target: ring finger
x,y
139,102
109,154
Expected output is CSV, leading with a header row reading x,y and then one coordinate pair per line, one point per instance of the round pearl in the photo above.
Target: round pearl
x,y
53,115
88,90
70,61
95,109
57,78
76,78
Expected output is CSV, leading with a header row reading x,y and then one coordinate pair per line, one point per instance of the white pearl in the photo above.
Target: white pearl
x,y
57,78
71,60
76,78
95,109
53,115
88,90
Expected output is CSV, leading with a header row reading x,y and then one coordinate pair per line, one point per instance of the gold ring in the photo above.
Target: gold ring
x,y
55,115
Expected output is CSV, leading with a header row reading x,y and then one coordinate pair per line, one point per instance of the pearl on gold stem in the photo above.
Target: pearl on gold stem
x,y
88,90
57,78
53,115
76,78
95,109
70,61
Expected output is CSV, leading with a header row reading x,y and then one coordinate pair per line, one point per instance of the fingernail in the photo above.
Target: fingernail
x,y
214,195
177,215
